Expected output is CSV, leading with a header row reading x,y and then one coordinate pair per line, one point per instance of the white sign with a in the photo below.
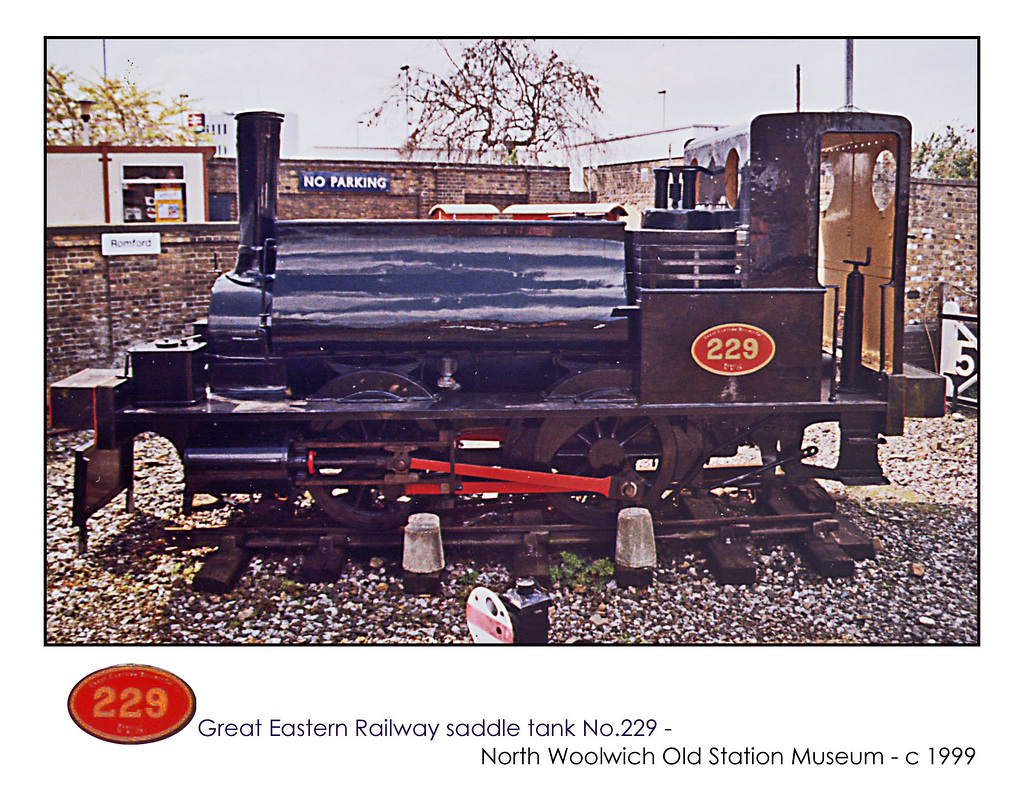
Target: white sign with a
x,y
130,243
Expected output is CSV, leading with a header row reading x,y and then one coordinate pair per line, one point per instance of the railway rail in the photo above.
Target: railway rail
x,y
722,526
134,586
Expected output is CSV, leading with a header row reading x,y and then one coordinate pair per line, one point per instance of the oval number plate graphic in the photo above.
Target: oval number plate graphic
x,y
733,349
131,704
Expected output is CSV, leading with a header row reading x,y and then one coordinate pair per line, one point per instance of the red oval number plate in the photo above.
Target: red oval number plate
x,y
131,704
733,349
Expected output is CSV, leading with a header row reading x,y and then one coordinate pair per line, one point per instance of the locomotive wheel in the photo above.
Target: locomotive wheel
x,y
362,507
631,446
368,507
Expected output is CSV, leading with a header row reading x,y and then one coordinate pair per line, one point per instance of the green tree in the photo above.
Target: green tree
x,y
63,123
499,95
123,114
953,154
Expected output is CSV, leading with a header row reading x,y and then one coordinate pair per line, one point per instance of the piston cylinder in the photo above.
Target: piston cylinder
x,y
252,469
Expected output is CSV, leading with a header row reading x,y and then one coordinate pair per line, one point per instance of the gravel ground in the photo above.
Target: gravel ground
x,y
134,588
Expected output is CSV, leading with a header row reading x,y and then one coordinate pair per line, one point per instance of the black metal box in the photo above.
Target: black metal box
x,y
73,401
169,372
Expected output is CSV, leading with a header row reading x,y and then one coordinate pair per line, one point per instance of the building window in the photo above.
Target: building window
x,y
153,193
220,206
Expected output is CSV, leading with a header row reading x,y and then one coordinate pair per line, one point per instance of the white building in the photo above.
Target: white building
x,y
101,184
221,128
664,144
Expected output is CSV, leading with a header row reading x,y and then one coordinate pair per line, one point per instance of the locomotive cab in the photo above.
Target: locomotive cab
x,y
813,202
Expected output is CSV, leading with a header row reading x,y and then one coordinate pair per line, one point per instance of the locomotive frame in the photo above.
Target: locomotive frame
x,y
388,366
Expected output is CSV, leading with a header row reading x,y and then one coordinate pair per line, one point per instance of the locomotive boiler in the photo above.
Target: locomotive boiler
x,y
387,367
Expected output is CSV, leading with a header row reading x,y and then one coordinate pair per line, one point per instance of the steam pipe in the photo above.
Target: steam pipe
x,y
676,185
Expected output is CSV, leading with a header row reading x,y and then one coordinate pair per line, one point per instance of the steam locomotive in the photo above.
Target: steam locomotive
x,y
390,366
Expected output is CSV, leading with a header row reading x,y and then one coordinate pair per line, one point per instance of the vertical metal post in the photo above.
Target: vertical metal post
x,y
108,297
883,336
835,337
105,159
853,327
849,74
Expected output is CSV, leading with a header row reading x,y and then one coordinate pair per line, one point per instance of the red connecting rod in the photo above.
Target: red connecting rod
x,y
500,480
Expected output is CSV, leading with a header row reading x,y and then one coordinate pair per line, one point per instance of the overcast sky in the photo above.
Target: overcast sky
x,y
331,83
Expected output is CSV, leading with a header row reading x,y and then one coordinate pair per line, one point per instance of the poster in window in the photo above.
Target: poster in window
x,y
170,204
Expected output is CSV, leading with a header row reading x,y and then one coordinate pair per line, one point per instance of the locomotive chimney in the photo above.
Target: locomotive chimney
x,y
259,140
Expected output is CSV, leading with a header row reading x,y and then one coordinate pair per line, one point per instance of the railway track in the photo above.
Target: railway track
x,y
926,520
722,525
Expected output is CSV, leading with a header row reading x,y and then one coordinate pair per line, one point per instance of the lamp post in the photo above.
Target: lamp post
x,y
85,110
662,94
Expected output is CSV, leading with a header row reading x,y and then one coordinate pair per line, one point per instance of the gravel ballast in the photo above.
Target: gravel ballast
x,y
134,587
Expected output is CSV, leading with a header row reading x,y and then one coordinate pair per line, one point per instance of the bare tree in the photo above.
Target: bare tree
x,y
500,94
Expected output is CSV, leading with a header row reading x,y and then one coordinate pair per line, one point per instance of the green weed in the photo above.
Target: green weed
x,y
574,571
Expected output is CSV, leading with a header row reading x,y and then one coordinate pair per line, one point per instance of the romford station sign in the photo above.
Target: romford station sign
x,y
130,243
344,182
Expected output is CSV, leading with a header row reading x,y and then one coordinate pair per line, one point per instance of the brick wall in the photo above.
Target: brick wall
x,y
944,218
97,307
942,261
415,188
625,183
